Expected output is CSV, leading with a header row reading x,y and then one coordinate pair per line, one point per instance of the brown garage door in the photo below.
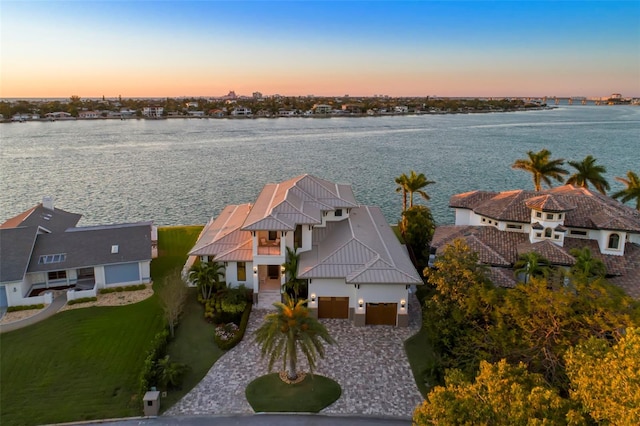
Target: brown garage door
x,y
381,313
333,307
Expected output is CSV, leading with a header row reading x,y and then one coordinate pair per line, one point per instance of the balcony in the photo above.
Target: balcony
x,y
269,247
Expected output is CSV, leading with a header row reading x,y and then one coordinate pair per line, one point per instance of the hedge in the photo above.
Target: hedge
x,y
121,289
82,300
225,345
24,307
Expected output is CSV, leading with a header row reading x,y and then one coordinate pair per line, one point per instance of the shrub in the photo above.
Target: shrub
x,y
230,343
82,300
121,289
24,307
149,373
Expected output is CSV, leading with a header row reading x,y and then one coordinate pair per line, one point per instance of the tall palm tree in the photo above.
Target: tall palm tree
x,y
589,173
632,191
532,264
292,284
541,167
289,328
208,276
401,181
415,184
586,265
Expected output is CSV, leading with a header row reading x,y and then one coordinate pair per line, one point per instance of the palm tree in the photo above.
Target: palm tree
x,y
532,264
289,328
401,181
632,191
170,373
589,172
541,167
292,284
587,266
208,277
414,184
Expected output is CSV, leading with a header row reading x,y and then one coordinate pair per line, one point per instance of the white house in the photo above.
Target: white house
x,y
353,263
153,111
241,112
501,226
43,250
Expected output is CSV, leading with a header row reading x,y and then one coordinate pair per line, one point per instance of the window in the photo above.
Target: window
x,y
273,235
484,220
297,237
57,275
52,258
338,212
512,226
539,234
614,241
550,216
242,271
547,233
557,237
560,216
579,233
538,214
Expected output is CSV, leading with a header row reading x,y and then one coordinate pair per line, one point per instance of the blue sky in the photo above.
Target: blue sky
x,y
183,48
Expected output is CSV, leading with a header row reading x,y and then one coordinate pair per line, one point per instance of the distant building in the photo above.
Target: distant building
x,y
241,112
88,114
153,111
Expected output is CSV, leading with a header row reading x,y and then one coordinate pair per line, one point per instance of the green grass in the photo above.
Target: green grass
x,y
422,359
270,394
78,365
84,364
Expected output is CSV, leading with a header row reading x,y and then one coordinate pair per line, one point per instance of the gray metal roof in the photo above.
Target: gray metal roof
x,y
92,246
223,237
16,245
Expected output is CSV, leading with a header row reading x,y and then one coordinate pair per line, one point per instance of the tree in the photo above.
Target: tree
x,y
417,227
532,264
401,181
587,172
541,167
632,191
173,295
208,276
605,379
501,394
415,184
170,373
288,329
293,285
587,266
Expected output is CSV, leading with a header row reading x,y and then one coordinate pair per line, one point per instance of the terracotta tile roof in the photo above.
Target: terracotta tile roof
x,y
508,206
550,203
553,253
502,277
629,281
469,200
616,265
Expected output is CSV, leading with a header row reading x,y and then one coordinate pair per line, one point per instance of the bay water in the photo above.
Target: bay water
x,y
184,171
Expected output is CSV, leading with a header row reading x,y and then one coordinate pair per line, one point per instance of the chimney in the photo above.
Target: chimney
x,y
47,202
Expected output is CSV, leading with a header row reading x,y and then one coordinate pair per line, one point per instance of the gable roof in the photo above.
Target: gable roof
x,y
298,201
224,238
360,249
52,220
16,245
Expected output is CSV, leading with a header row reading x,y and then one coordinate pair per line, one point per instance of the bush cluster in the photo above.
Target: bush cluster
x,y
149,373
82,300
121,289
24,307
230,343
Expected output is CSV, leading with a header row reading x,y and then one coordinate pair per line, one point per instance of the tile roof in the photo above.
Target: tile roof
x,y
502,277
361,249
553,253
298,201
224,238
549,203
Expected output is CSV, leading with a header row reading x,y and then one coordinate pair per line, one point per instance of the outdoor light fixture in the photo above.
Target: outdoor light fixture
x,y
360,303
282,269
403,303
255,269
313,297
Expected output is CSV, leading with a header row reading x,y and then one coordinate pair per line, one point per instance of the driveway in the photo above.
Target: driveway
x,y
368,362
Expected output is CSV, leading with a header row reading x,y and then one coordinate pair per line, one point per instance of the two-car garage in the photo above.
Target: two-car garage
x,y
376,313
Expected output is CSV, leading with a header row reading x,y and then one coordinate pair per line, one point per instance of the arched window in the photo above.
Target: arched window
x,y
614,241
547,233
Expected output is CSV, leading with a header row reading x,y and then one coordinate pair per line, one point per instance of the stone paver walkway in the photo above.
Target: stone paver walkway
x,y
368,362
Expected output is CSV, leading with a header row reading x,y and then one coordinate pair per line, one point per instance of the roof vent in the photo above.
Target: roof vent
x,y
114,249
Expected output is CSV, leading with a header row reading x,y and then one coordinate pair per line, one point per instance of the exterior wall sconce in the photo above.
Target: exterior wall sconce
x,y
403,303
313,298
282,269
360,303
255,270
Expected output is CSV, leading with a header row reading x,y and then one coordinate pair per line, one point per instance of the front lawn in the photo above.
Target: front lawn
x,y
270,394
78,365
422,359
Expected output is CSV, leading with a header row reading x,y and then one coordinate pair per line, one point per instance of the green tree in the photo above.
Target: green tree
x,y
586,265
587,172
532,264
632,190
293,285
414,185
501,394
288,329
208,276
417,227
401,181
541,167
172,294
170,373
605,379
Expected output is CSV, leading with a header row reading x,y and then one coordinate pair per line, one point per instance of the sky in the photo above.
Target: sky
x,y
327,48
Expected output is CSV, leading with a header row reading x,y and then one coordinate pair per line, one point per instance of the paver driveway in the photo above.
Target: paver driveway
x,y
368,362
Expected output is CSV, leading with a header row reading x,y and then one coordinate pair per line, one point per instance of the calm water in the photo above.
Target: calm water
x,y
184,171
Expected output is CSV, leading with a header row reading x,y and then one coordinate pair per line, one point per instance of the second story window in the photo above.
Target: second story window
x,y
338,212
614,241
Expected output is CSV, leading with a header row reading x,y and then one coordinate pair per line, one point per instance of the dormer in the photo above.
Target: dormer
x,y
548,214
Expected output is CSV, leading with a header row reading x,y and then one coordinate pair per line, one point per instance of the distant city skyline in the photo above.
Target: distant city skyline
x,y
207,48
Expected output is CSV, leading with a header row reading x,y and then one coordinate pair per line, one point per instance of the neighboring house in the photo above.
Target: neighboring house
x,y
153,111
401,109
502,226
354,264
191,105
88,114
241,112
25,117
42,249
60,115
196,113
322,109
